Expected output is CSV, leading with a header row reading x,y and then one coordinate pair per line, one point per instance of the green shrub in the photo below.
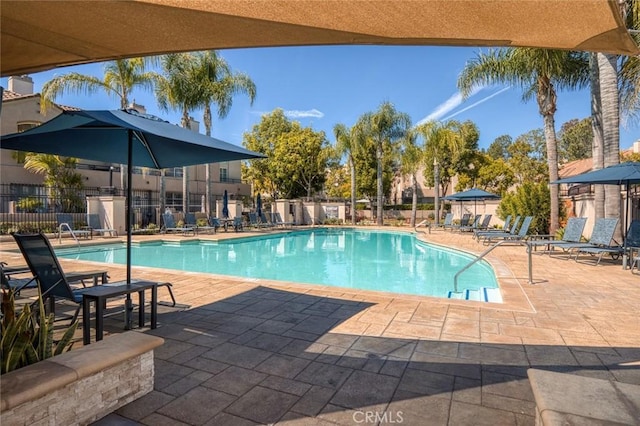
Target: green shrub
x,y
29,204
530,199
332,221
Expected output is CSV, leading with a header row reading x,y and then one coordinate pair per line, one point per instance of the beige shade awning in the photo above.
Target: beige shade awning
x,y
39,35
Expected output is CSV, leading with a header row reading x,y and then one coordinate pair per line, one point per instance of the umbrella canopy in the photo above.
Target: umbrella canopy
x,y
225,205
627,174
103,136
125,137
93,31
471,194
474,194
259,206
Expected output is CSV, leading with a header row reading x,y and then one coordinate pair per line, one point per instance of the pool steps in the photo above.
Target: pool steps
x,y
483,294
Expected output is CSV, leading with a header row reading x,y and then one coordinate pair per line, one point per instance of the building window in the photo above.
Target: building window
x,y
26,125
224,172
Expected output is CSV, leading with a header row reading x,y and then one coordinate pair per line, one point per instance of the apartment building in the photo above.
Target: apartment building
x,y
21,111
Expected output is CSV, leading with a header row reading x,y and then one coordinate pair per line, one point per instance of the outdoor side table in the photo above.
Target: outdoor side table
x,y
100,294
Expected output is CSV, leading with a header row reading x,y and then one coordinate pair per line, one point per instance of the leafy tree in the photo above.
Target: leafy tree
x,y
263,139
120,78
347,144
303,155
529,199
60,177
495,176
338,182
498,148
411,159
452,144
297,157
575,140
538,72
384,127
525,161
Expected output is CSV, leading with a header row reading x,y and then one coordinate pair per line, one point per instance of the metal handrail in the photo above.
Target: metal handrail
x,y
73,234
487,251
425,223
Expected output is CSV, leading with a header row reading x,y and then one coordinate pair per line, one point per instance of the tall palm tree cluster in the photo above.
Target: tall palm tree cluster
x,y
188,82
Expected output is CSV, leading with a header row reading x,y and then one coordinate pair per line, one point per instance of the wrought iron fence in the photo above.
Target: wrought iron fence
x,y
33,208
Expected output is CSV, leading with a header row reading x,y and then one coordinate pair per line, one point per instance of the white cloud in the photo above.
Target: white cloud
x,y
303,114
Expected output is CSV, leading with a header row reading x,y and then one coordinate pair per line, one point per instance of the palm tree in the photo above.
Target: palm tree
x,y
120,78
347,144
383,127
220,85
411,159
64,184
538,72
178,89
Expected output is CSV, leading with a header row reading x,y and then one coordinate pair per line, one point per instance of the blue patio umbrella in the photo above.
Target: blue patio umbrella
x,y
627,173
474,194
259,206
125,137
225,205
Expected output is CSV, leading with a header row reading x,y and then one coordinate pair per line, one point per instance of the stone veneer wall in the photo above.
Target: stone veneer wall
x,y
81,386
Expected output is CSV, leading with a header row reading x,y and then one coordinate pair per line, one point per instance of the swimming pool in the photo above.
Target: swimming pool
x,y
363,259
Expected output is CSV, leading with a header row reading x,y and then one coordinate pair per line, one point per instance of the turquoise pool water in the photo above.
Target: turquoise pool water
x,y
374,260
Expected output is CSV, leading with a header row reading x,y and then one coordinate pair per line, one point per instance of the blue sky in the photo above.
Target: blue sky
x,y
323,86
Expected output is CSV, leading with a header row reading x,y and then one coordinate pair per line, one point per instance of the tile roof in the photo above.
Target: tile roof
x,y
8,95
576,167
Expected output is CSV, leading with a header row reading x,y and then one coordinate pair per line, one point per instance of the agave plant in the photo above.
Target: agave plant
x,y
28,337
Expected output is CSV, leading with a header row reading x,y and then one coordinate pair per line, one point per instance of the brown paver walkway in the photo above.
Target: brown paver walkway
x,y
251,352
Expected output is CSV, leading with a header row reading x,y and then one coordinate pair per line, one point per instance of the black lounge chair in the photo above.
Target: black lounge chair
x,y
52,281
47,272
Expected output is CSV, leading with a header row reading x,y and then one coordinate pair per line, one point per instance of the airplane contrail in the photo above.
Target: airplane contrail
x,y
475,104
453,102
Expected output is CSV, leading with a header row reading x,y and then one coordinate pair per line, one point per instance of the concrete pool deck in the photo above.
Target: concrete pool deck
x,y
259,352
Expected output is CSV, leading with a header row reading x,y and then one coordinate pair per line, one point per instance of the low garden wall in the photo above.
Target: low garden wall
x,y
80,386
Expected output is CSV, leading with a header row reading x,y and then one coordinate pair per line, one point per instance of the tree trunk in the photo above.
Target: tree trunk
x,y
353,189
414,200
608,70
379,210
597,148
552,163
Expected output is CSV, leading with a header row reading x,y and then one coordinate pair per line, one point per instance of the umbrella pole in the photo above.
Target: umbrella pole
x,y
624,230
128,305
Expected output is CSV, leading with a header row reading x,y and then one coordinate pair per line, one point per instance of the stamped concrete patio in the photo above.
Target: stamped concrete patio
x,y
245,352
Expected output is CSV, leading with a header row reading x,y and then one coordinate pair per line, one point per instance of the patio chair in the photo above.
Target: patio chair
x,y
632,240
255,222
464,221
47,272
601,236
277,220
170,225
447,223
65,225
505,227
214,223
93,220
511,230
237,223
572,234
474,225
191,221
512,236
7,281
